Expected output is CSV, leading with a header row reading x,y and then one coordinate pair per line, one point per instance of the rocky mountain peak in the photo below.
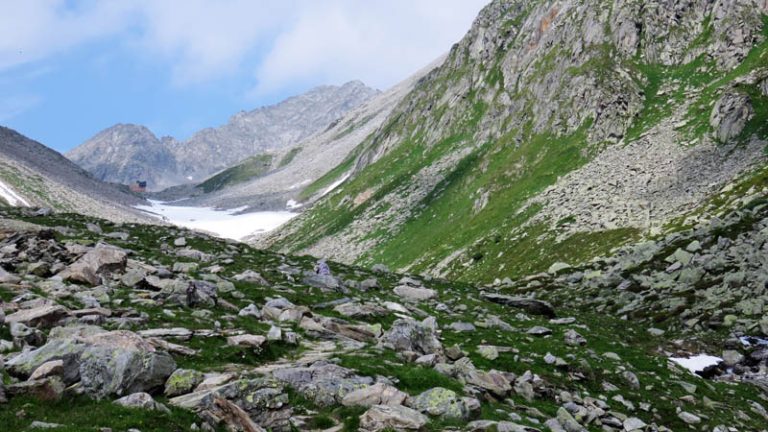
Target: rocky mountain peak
x,y
125,153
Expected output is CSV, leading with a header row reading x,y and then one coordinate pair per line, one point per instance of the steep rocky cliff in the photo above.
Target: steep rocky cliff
x,y
126,153
553,131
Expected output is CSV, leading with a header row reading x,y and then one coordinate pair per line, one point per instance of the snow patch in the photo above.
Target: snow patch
x,y
293,204
696,363
300,184
11,197
222,223
336,184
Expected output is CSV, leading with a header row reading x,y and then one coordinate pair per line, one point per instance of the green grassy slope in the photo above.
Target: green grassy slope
x,y
493,240
250,168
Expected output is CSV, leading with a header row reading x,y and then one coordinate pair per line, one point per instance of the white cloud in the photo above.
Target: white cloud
x,y
285,42
208,39
378,41
32,30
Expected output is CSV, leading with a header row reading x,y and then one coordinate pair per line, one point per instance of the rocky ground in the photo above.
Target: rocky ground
x,y
131,327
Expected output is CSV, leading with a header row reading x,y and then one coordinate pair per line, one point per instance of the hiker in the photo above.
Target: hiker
x,y
191,295
322,268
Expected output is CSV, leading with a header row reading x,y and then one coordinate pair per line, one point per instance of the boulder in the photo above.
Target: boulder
x,y
573,338
535,307
250,311
47,389
321,281
377,394
106,363
414,294
103,260
360,310
141,401
47,369
441,402
324,383
411,335
393,417
251,277
247,340
258,401
8,278
182,381
730,115
47,316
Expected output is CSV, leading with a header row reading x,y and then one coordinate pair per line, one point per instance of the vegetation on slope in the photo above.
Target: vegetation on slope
x,y
248,169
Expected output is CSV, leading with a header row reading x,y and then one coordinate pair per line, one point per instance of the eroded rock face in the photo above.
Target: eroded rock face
x,y
730,115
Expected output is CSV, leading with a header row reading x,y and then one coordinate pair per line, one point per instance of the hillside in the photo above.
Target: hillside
x,y
34,175
264,343
554,131
301,173
126,153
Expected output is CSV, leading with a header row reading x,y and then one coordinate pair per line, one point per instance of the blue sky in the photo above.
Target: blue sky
x,y
70,68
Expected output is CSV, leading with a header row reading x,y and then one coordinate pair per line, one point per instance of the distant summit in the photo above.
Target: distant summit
x,y
127,153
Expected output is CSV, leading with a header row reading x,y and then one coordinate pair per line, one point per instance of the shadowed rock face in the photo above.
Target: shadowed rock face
x,y
125,153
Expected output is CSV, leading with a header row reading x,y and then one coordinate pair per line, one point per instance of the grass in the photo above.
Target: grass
x,y
78,414
250,168
288,158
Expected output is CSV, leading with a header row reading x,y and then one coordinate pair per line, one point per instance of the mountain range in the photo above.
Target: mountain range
x,y
125,153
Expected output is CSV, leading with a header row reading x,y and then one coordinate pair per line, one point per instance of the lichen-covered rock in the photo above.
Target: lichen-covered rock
x,y
106,363
121,362
182,381
730,115
324,383
412,335
441,402
393,417
377,394
263,400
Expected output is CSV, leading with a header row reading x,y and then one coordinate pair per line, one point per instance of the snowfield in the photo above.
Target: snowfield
x,y
222,223
697,363
11,197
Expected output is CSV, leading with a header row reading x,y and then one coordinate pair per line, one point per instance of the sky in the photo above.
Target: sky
x,y
70,68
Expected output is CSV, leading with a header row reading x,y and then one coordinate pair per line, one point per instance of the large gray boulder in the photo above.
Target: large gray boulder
x,y
262,401
46,316
103,260
445,403
412,335
377,394
395,417
105,363
730,115
325,383
121,362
